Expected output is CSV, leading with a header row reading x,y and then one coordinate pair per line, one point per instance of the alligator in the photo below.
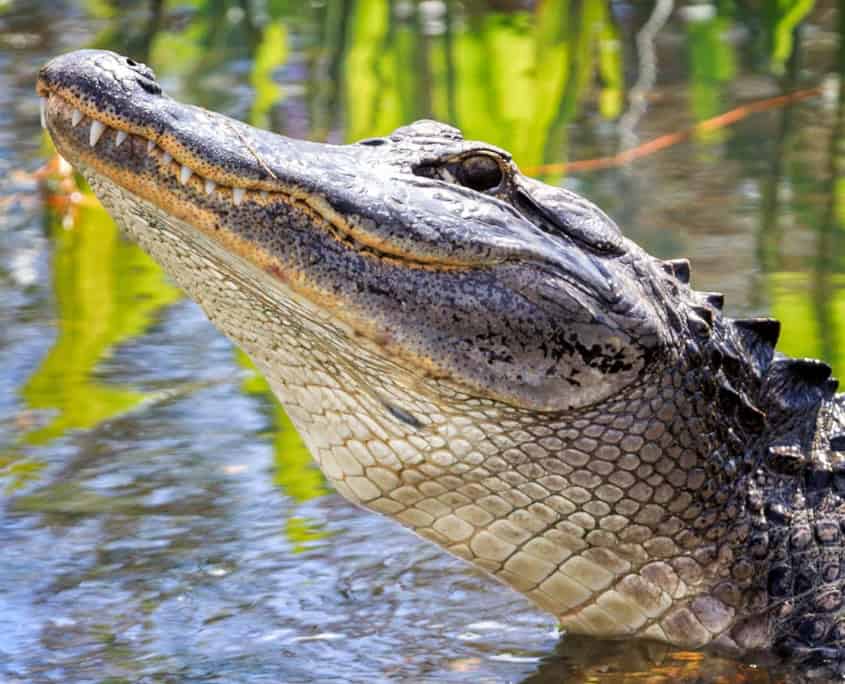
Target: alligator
x,y
487,360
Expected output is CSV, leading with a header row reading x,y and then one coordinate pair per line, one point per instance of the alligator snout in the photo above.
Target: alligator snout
x,y
95,75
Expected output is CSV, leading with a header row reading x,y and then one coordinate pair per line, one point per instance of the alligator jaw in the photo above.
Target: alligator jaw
x,y
358,229
207,176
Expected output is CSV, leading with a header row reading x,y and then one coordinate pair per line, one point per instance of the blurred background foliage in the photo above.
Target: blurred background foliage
x,y
538,78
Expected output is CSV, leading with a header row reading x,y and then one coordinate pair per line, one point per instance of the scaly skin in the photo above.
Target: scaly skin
x,y
487,360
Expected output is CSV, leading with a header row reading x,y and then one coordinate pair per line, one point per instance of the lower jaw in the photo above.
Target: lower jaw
x,y
185,245
183,250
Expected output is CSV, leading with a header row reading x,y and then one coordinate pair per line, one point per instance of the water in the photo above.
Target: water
x,y
159,518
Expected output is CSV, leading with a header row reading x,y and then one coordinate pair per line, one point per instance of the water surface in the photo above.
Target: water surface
x,y
160,520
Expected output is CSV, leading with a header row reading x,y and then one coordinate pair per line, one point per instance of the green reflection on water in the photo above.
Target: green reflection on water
x,y
179,54
712,65
271,53
294,471
107,291
811,303
511,79
783,17
813,318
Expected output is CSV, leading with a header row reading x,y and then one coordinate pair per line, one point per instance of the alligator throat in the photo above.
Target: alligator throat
x,y
487,360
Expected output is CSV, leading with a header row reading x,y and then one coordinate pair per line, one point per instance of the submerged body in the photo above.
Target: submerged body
x,y
487,360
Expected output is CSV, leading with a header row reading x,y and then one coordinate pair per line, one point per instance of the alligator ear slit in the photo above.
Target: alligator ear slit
x,y
562,212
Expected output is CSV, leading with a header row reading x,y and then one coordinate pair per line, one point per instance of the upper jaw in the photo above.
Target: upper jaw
x,y
113,94
108,114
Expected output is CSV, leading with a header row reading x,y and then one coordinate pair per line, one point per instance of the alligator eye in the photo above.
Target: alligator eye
x,y
480,172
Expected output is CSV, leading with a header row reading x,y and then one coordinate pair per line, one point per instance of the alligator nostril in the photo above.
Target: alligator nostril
x,y
149,85
142,70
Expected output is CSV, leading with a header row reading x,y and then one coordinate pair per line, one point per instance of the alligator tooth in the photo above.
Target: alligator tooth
x,y
264,194
120,137
43,112
75,117
97,129
64,166
209,186
150,146
238,195
184,174
166,158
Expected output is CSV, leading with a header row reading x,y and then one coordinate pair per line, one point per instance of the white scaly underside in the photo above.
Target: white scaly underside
x,y
581,517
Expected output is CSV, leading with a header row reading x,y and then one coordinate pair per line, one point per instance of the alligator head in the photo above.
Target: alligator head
x,y
487,360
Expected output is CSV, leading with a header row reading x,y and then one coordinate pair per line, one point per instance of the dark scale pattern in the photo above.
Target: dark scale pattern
x,y
496,368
